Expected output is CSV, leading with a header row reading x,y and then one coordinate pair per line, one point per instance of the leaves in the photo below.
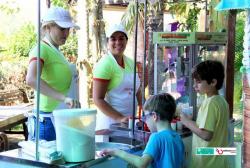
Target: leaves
x,y
178,9
192,18
22,41
9,7
128,19
188,15
239,41
70,48
61,3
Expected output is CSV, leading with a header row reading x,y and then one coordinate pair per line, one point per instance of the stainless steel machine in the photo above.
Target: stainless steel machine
x,y
175,53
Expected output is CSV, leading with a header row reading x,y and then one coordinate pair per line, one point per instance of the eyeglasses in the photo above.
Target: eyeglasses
x,y
144,118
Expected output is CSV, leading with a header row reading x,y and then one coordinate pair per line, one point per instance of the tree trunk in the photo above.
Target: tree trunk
x,y
48,3
140,41
155,23
99,40
87,57
84,67
217,20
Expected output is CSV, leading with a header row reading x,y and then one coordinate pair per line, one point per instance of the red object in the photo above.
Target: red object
x,y
146,128
174,121
140,110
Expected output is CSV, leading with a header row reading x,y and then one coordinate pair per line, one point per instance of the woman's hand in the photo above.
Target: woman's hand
x,y
124,119
72,103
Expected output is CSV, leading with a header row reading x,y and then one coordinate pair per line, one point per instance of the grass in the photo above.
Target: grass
x,y
17,128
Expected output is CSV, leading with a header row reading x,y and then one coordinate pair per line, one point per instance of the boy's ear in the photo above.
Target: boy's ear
x,y
214,82
155,117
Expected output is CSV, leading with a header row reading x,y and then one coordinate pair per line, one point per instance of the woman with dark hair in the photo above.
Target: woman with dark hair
x,y
113,82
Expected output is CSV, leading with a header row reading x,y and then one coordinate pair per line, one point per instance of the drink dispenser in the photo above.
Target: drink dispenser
x,y
75,133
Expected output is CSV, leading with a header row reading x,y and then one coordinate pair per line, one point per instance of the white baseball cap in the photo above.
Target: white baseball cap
x,y
116,28
60,16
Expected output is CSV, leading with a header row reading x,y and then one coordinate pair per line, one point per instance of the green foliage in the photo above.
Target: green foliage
x,y
192,18
128,19
178,9
215,16
2,41
8,7
239,34
61,3
186,14
239,41
237,88
12,74
22,41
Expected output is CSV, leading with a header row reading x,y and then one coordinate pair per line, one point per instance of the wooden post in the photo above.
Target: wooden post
x,y
230,55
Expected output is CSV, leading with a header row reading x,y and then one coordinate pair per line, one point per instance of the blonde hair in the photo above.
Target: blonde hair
x,y
44,27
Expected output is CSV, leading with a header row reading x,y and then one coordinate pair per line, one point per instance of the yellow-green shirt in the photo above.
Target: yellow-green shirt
x,y
56,73
213,116
108,69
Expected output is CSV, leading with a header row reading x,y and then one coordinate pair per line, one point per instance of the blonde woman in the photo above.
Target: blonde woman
x,y
55,71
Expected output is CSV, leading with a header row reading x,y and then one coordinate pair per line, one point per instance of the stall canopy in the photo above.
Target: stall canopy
x,y
233,4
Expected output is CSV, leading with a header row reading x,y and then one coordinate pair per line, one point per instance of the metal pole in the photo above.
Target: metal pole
x,y
145,55
155,69
38,80
135,60
144,63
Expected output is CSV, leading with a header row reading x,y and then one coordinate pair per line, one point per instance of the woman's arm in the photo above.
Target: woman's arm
x,y
45,89
99,92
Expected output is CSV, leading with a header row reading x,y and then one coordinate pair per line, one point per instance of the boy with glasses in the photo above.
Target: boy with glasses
x,y
165,147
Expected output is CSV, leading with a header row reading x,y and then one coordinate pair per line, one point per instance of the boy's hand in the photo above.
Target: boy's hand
x,y
185,118
188,116
106,152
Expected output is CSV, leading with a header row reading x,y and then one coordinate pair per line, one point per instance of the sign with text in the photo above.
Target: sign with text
x,y
215,151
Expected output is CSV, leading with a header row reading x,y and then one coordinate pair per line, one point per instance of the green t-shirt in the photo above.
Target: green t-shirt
x,y
213,116
56,73
108,69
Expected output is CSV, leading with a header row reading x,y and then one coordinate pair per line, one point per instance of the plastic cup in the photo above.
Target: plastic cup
x,y
187,110
179,125
173,125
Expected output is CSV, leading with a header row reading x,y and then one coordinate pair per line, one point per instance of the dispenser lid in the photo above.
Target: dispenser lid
x,y
73,112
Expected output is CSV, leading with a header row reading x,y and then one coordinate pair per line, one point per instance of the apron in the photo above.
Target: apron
x,y
121,99
72,93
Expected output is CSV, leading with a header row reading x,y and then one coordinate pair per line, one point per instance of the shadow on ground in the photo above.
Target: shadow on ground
x,y
13,140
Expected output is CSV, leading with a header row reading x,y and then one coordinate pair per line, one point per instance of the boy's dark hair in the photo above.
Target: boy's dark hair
x,y
163,104
209,70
